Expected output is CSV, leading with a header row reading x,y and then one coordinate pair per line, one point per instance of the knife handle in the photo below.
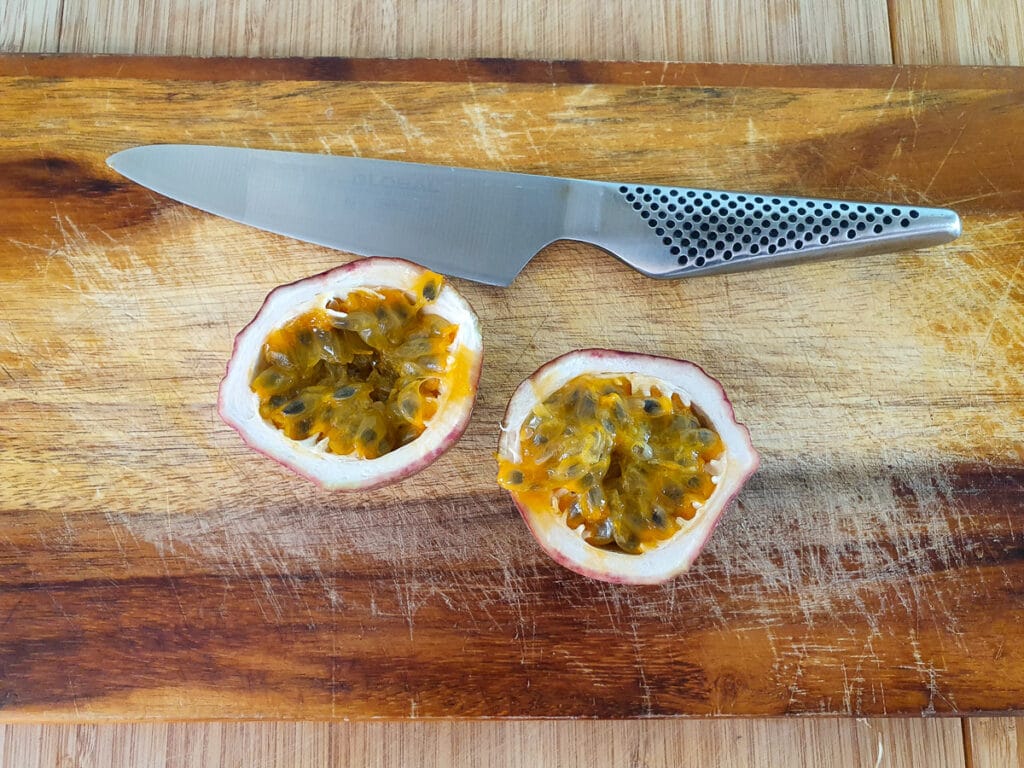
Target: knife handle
x,y
668,232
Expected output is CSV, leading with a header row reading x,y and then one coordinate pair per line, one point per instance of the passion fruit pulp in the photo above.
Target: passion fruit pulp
x,y
357,377
622,464
628,468
362,373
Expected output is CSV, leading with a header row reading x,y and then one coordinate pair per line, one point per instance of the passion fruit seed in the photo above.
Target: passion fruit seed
x,y
361,373
628,467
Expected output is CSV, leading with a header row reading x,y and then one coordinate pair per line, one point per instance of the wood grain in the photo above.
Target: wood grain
x,y
492,71
872,567
17,33
921,31
730,744
30,25
957,32
995,742
802,31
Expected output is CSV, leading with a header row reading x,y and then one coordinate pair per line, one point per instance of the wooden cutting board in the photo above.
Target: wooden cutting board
x,y
153,566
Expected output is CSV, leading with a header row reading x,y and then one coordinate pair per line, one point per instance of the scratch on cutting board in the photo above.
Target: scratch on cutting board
x,y
892,88
983,339
997,312
334,674
587,96
942,163
533,144
287,142
929,677
742,576
526,630
487,135
796,692
739,560
855,686
410,132
646,699
88,259
752,135
355,147
855,554
70,249
409,599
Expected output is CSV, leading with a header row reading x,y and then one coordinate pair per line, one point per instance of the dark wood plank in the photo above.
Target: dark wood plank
x,y
328,69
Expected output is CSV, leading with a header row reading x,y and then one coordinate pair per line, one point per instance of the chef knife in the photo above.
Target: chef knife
x,y
486,225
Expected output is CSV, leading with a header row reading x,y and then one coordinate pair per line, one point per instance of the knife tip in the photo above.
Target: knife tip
x,y
113,161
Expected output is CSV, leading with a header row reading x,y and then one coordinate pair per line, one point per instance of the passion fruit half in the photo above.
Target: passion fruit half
x,y
356,377
622,464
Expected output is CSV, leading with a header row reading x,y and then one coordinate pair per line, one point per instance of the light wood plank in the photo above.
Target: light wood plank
x,y
995,742
924,31
799,31
974,32
729,744
29,25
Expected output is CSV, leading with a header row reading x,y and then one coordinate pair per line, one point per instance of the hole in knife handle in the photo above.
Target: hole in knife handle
x,y
700,228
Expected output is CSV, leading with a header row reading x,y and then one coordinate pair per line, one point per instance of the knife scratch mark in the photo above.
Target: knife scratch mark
x,y
942,163
914,105
487,135
929,677
409,131
892,89
529,138
646,698
996,314
355,147
752,135
586,96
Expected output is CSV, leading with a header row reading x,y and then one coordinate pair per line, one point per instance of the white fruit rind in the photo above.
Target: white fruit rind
x,y
696,389
239,405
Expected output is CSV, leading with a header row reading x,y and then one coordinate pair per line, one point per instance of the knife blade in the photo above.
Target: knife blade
x,y
487,225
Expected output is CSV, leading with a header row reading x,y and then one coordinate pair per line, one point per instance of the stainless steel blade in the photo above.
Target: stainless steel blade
x,y
486,225
475,224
